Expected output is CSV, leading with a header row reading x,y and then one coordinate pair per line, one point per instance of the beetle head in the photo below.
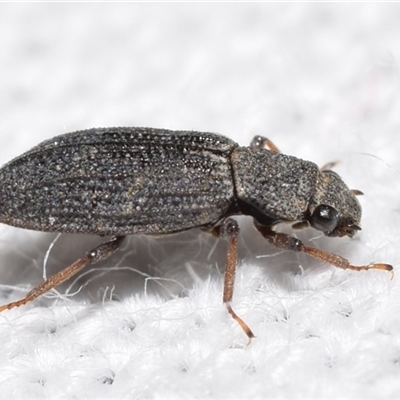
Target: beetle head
x,y
334,208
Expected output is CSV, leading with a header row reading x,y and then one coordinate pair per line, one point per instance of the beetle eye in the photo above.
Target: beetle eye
x,y
324,218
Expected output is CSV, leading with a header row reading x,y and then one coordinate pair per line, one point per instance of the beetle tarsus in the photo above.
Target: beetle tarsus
x,y
342,262
241,323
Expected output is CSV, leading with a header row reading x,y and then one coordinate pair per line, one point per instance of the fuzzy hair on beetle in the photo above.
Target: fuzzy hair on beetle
x,y
125,181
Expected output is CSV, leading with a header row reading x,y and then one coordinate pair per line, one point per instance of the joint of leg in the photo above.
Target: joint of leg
x,y
295,244
261,142
283,241
104,250
229,228
93,256
257,142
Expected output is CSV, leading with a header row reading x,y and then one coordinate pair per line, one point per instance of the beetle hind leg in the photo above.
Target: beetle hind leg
x,y
100,252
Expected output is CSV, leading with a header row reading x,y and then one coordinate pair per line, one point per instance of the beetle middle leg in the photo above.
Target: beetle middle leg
x,y
230,229
287,242
100,252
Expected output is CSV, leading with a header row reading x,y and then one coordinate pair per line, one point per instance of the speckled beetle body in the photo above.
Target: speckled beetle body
x,y
122,181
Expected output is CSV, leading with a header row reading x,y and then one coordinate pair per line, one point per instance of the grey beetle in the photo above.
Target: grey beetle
x,y
123,181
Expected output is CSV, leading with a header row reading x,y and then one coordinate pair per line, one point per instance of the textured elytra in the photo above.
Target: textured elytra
x,y
119,181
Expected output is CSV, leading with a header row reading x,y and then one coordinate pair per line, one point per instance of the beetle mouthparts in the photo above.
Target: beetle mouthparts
x,y
349,230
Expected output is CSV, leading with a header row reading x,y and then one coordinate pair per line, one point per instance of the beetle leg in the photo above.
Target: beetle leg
x,y
328,166
261,142
100,252
300,225
287,242
230,229
356,192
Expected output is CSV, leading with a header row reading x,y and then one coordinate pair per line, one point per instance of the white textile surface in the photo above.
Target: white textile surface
x,y
322,82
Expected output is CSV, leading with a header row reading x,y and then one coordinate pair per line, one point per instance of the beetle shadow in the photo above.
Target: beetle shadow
x,y
166,266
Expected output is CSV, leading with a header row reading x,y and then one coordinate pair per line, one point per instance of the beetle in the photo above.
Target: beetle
x,y
122,181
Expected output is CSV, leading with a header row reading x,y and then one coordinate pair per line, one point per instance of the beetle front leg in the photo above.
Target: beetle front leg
x,y
230,229
287,242
100,252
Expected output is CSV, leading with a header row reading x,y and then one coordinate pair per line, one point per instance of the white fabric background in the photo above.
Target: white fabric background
x,y
321,81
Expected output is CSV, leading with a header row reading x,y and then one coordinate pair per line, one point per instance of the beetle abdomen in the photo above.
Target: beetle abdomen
x,y
119,181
